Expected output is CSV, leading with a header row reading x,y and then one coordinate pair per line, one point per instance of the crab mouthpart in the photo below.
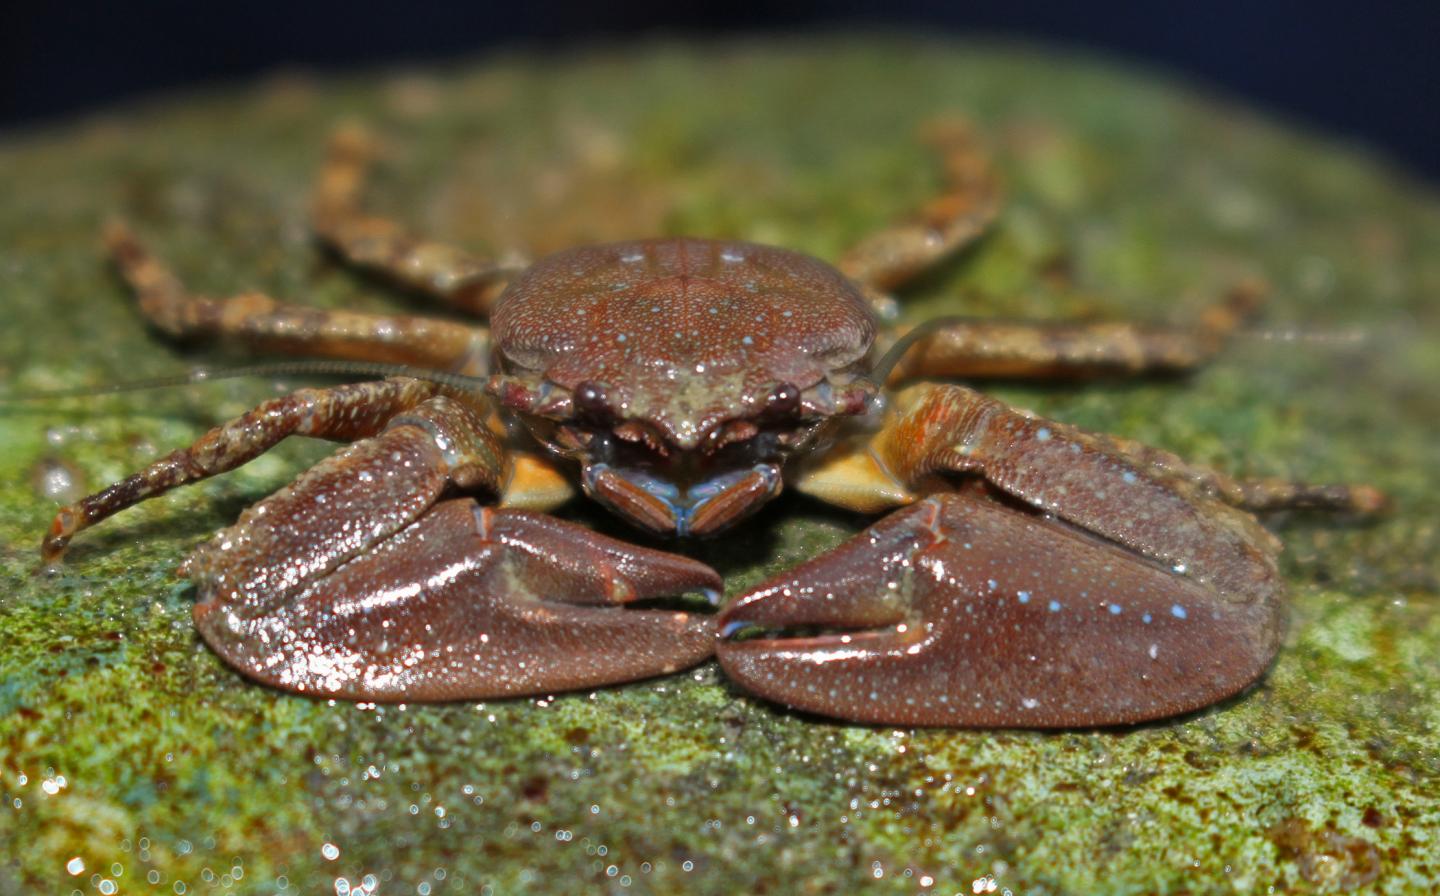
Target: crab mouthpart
x,y
703,508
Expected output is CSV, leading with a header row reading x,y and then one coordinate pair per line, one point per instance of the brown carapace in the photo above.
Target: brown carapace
x,y
1033,575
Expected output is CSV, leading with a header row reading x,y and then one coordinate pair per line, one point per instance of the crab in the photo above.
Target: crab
x,y
1027,573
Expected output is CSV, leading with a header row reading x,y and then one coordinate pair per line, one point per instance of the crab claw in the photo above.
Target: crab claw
x,y
469,602
961,611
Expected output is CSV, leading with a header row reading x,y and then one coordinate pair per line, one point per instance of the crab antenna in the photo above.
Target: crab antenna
x,y
357,369
886,364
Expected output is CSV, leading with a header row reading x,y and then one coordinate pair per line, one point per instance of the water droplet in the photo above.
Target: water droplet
x,y
55,480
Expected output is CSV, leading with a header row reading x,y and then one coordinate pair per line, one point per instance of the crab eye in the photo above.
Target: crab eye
x,y
601,448
591,401
783,399
765,446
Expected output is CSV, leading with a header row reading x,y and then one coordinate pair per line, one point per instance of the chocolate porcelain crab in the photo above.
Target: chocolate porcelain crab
x,y
1028,573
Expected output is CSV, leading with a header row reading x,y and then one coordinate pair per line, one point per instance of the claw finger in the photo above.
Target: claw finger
x,y
864,583
577,566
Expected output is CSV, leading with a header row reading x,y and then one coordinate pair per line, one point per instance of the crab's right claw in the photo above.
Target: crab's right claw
x,y
961,611
469,603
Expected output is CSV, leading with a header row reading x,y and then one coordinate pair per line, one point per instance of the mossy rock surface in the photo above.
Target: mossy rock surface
x,y
132,760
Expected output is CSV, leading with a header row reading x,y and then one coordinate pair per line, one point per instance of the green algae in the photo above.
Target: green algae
x,y
131,760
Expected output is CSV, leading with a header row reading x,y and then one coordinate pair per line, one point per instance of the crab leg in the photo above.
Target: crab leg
x,y
1260,495
342,413
447,273
1069,583
970,201
994,618
466,603
1067,350
353,582
261,322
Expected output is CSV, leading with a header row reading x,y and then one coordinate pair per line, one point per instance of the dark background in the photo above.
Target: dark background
x,y
1366,72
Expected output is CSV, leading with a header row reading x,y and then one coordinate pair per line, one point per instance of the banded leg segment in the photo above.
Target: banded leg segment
x,y
343,413
1066,350
264,324
449,274
1262,495
964,210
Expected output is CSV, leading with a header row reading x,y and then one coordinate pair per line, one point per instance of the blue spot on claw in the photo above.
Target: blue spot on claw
x,y
732,627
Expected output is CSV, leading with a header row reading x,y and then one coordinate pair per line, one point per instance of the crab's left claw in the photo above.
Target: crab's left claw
x,y
963,611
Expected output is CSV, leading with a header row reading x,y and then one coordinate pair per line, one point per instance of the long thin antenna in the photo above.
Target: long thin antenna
x,y
358,369
886,365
